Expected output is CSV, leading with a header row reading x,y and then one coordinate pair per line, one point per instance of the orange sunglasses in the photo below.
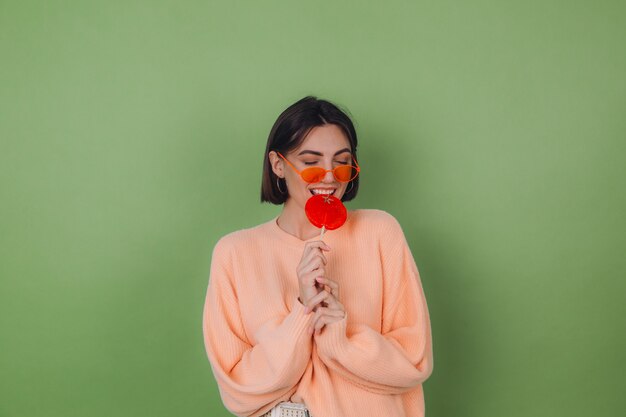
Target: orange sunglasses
x,y
342,173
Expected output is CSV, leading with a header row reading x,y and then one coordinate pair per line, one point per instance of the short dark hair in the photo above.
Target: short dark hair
x,y
289,131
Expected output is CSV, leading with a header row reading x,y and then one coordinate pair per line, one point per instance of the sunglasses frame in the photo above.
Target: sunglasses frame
x,y
358,169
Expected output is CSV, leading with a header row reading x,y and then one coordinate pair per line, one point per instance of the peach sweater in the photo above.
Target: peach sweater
x,y
371,363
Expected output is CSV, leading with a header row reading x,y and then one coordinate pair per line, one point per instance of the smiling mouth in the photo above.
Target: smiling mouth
x,y
322,192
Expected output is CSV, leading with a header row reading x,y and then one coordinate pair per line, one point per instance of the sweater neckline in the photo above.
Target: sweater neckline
x,y
329,235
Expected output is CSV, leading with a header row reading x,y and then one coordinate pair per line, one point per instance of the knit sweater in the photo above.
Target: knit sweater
x,y
370,363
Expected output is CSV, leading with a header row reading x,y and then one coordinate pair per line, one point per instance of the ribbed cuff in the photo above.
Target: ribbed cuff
x,y
301,320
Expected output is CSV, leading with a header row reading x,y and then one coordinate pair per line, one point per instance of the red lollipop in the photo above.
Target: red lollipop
x,y
325,211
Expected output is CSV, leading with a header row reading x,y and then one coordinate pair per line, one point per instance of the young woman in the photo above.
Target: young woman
x,y
332,328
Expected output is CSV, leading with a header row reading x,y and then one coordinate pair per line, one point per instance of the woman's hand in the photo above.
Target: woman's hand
x,y
331,309
311,266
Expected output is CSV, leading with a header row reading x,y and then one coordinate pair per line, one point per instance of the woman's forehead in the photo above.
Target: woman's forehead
x,y
325,140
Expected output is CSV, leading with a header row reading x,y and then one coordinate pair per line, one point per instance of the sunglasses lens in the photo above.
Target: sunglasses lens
x,y
344,173
313,174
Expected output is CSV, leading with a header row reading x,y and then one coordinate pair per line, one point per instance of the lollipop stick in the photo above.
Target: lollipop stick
x,y
323,230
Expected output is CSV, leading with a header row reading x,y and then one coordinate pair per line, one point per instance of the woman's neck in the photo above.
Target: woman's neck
x,y
293,220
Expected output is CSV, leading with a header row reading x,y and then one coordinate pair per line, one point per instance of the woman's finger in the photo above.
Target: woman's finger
x,y
333,303
310,277
324,316
324,320
327,312
313,256
326,300
314,270
306,267
334,285
315,263
316,246
316,300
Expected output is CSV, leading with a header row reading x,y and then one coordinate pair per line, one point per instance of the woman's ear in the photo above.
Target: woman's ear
x,y
276,163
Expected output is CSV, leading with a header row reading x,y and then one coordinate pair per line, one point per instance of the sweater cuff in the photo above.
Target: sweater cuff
x,y
301,320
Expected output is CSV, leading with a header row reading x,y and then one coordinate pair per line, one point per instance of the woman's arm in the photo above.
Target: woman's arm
x,y
251,378
400,357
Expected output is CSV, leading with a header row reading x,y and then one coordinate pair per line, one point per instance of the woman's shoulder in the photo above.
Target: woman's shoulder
x,y
239,239
375,219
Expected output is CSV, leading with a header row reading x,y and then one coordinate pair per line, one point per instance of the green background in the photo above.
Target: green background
x,y
132,137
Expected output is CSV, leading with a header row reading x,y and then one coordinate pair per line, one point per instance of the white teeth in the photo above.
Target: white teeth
x,y
322,191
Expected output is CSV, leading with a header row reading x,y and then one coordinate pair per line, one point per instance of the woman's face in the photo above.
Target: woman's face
x,y
325,146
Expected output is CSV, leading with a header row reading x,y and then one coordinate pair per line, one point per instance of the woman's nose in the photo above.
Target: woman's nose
x,y
329,176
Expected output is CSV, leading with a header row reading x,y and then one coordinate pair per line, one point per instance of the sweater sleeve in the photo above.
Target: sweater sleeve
x,y
251,378
400,357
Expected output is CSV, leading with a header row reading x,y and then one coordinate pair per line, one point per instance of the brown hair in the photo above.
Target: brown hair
x,y
289,131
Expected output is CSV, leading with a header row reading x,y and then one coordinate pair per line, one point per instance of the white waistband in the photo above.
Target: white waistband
x,y
288,409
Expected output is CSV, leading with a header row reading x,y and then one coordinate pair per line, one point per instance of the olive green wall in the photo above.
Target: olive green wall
x,y
132,136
